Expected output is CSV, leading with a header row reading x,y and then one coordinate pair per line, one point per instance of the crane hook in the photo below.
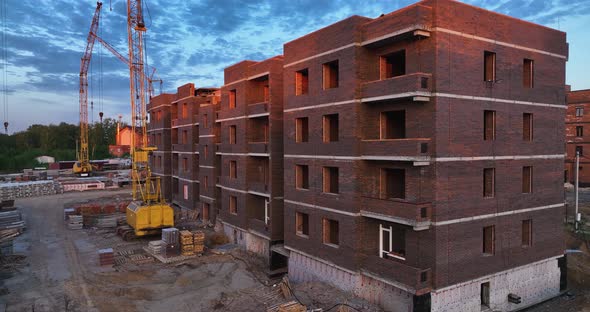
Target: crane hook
x,y
6,127
100,115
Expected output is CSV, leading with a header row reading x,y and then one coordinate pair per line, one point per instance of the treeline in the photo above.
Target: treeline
x,y
19,150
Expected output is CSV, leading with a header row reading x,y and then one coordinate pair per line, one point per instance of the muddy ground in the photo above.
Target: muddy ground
x,y
57,269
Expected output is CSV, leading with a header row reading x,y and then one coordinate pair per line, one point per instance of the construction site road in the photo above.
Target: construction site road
x,y
57,269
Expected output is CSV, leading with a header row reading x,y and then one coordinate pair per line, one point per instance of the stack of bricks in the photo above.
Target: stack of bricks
x,y
187,246
199,241
106,257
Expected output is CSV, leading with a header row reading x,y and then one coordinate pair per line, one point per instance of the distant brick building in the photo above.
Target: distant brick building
x,y
577,136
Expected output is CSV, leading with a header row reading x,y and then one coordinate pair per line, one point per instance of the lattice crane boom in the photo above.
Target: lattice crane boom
x,y
83,164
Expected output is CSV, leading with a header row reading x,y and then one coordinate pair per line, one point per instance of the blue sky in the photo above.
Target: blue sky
x,y
192,41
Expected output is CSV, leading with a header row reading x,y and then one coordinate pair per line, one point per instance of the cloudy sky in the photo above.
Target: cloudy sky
x,y
192,41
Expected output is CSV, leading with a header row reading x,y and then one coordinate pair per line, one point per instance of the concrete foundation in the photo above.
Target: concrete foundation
x,y
534,283
303,268
247,240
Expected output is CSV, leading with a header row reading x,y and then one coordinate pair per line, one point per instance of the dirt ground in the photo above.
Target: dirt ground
x,y
56,269
578,296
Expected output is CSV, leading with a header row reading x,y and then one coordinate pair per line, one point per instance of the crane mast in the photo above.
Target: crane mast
x,y
83,166
149,190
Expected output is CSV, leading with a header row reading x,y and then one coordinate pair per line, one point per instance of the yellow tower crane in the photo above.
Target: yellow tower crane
x,y
148,213
82,166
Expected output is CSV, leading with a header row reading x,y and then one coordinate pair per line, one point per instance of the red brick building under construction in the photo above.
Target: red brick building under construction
x,y
577,136
414,159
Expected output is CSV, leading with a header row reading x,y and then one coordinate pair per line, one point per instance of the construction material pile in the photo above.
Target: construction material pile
x,y
199,241
106,257
186,243
170,236
81,185
12,225
156,247
104,220
75,222
12,190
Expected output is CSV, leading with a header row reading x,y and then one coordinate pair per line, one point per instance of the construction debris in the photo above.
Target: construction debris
x,y
106,257
12,190
291,306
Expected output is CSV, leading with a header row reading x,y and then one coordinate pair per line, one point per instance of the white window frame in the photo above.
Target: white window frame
x,y
266,211
389,230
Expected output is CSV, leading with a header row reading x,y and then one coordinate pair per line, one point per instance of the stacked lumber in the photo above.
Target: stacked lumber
x,y
106,256
75,222
187,247
12,190
156,247
170,236
199,241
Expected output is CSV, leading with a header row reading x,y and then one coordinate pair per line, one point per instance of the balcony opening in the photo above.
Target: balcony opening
x,y
205,151
393,183
184,139
232,99
331,232
330,180
301,82
579,131
489,66
528,73
233,169
266,91
196,134
233,205
393,125
392,242
258,129
205,211
489,240
232,134
184,112
185,191
206,181
301,130
184,164
489,125
330,128
302,177
258,171
330,75
302,223
527,127
489,177
580,151
393,65
259,208
527,233
527,179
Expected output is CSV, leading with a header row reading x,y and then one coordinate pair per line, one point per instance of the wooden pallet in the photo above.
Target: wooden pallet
x,y
163,259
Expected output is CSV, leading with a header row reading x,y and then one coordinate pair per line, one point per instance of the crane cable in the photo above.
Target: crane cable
x,y
4,18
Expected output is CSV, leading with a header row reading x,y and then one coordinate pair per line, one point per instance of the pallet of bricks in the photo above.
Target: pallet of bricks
x,y
199,242
106,257
29,189
187,246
